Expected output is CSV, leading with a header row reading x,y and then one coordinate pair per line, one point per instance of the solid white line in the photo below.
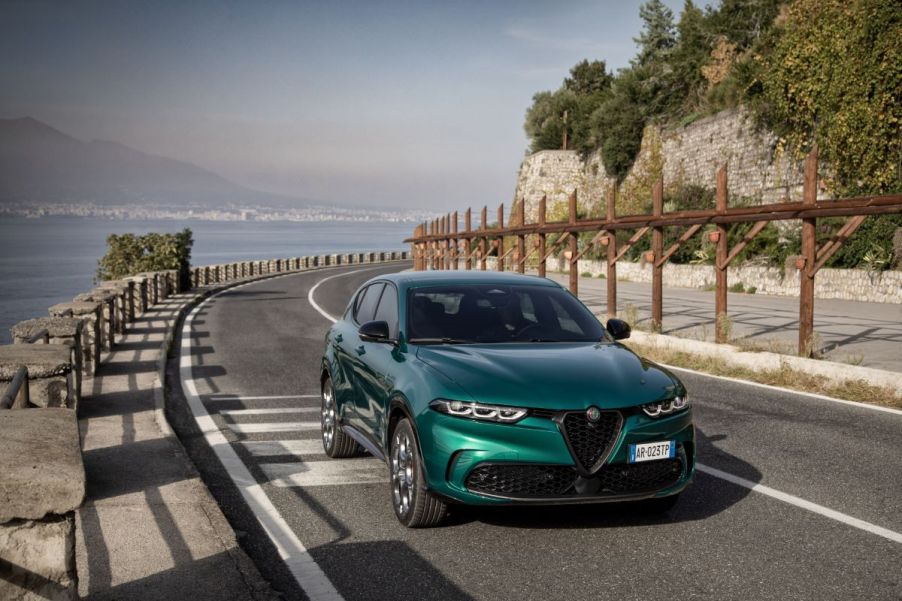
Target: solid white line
x,y
273,427
279,411
799,502
259,398
326,473
790,390
316,306
268,448
309,576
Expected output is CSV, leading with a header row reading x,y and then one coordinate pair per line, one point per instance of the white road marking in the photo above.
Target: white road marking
x,y
789,390
268,448
278,411
799,502
234,397
273,427
309,576
313,302
326,473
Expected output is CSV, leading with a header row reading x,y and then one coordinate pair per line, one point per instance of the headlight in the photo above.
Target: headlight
x,y
489,413
668,407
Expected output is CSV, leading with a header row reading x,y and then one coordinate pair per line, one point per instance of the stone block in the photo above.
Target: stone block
x,y
108,306
37,559
41,470
50,378
89,312
63,330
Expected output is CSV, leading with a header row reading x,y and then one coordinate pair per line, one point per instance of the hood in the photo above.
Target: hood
x,y
552,375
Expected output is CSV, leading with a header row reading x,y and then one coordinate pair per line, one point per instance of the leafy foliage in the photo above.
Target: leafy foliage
x,y
128,254
834,77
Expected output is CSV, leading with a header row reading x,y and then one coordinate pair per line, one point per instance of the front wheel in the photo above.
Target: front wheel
x,y
414,505
336,443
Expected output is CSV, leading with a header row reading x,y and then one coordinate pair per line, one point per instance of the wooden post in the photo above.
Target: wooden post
x,y
468,223
657,248
720,259
455,243
521,239
446,229
612,253
484,241
574,248
809,255
501,238
417,249
542,208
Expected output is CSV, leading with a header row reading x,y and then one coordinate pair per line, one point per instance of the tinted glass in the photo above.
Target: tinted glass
x,y
366,303
489,313
388,310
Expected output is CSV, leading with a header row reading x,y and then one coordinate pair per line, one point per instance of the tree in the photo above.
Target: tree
x,y
743,22
128,254
551,115
690,54
657,36
589,79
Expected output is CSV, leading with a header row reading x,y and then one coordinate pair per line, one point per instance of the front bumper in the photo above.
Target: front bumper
x,y
486,463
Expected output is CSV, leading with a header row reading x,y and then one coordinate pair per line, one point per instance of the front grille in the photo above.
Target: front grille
x,y
521,480
590,442
531,481
640,477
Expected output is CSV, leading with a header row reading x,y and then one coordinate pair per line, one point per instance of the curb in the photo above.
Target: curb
x,y
837,373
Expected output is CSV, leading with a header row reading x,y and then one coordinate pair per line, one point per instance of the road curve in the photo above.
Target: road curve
x,y
251,356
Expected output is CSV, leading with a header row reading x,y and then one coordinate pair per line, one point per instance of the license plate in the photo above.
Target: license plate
x,y
650,451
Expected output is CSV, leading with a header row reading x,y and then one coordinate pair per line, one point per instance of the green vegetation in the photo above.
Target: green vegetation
x,y
812,71
128,254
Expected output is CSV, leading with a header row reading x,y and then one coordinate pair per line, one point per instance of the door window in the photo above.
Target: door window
x,y
367,301
388,310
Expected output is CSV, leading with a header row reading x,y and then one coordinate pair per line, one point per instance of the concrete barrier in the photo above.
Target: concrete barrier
x,y
66,331
50,378
42,484
89,313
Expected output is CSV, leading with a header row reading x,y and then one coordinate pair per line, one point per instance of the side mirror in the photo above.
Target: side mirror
x,y
374,331
618,329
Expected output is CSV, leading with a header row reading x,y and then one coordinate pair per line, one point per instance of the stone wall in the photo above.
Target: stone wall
x,y
691,155
846,284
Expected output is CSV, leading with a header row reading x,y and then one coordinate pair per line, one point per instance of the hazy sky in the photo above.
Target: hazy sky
x,y
369,103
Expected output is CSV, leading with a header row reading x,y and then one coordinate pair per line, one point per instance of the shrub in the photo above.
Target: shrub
x,y
128,254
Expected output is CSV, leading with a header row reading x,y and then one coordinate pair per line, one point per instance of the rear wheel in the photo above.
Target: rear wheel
x,y
414,505
335,442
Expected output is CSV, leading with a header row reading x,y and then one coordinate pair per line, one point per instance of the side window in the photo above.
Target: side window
x,y
366,304
388,310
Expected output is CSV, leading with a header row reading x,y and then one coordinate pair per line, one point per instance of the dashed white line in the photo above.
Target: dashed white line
x,y
326,473
233,397
269,448
278,411
799,502
263,428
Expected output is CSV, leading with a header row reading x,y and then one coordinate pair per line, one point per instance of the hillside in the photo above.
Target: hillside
x,y
40,164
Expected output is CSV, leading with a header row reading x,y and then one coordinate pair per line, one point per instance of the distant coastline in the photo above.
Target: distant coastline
x,y
240,214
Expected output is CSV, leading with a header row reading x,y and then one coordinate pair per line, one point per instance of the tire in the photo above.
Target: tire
x,y
336,443
414,505
660,504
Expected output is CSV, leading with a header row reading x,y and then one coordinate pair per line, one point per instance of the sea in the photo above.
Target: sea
x,y
48,260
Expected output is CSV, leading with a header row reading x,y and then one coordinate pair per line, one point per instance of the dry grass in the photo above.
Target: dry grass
x,y
785,377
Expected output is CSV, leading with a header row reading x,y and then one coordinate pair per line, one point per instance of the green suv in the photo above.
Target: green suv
x,y
492,388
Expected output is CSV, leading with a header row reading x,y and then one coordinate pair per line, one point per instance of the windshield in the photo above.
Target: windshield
x,y
490,313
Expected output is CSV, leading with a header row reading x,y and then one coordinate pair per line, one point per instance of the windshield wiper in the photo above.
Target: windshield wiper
x,y
438,341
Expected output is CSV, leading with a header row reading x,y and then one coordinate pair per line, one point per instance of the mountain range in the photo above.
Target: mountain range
x,y
42,165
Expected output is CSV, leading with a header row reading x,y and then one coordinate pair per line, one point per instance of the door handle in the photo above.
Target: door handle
x,y
361,349
339,338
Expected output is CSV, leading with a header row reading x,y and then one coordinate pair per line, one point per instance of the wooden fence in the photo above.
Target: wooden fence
x,y
441,245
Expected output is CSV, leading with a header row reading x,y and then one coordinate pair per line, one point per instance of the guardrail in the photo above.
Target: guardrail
x,y
440,245
16,395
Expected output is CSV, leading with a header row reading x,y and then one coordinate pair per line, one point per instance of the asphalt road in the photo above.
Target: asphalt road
x,y
722,541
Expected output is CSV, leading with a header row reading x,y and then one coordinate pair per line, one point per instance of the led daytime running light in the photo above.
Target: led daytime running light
x,y
492,413
667,407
